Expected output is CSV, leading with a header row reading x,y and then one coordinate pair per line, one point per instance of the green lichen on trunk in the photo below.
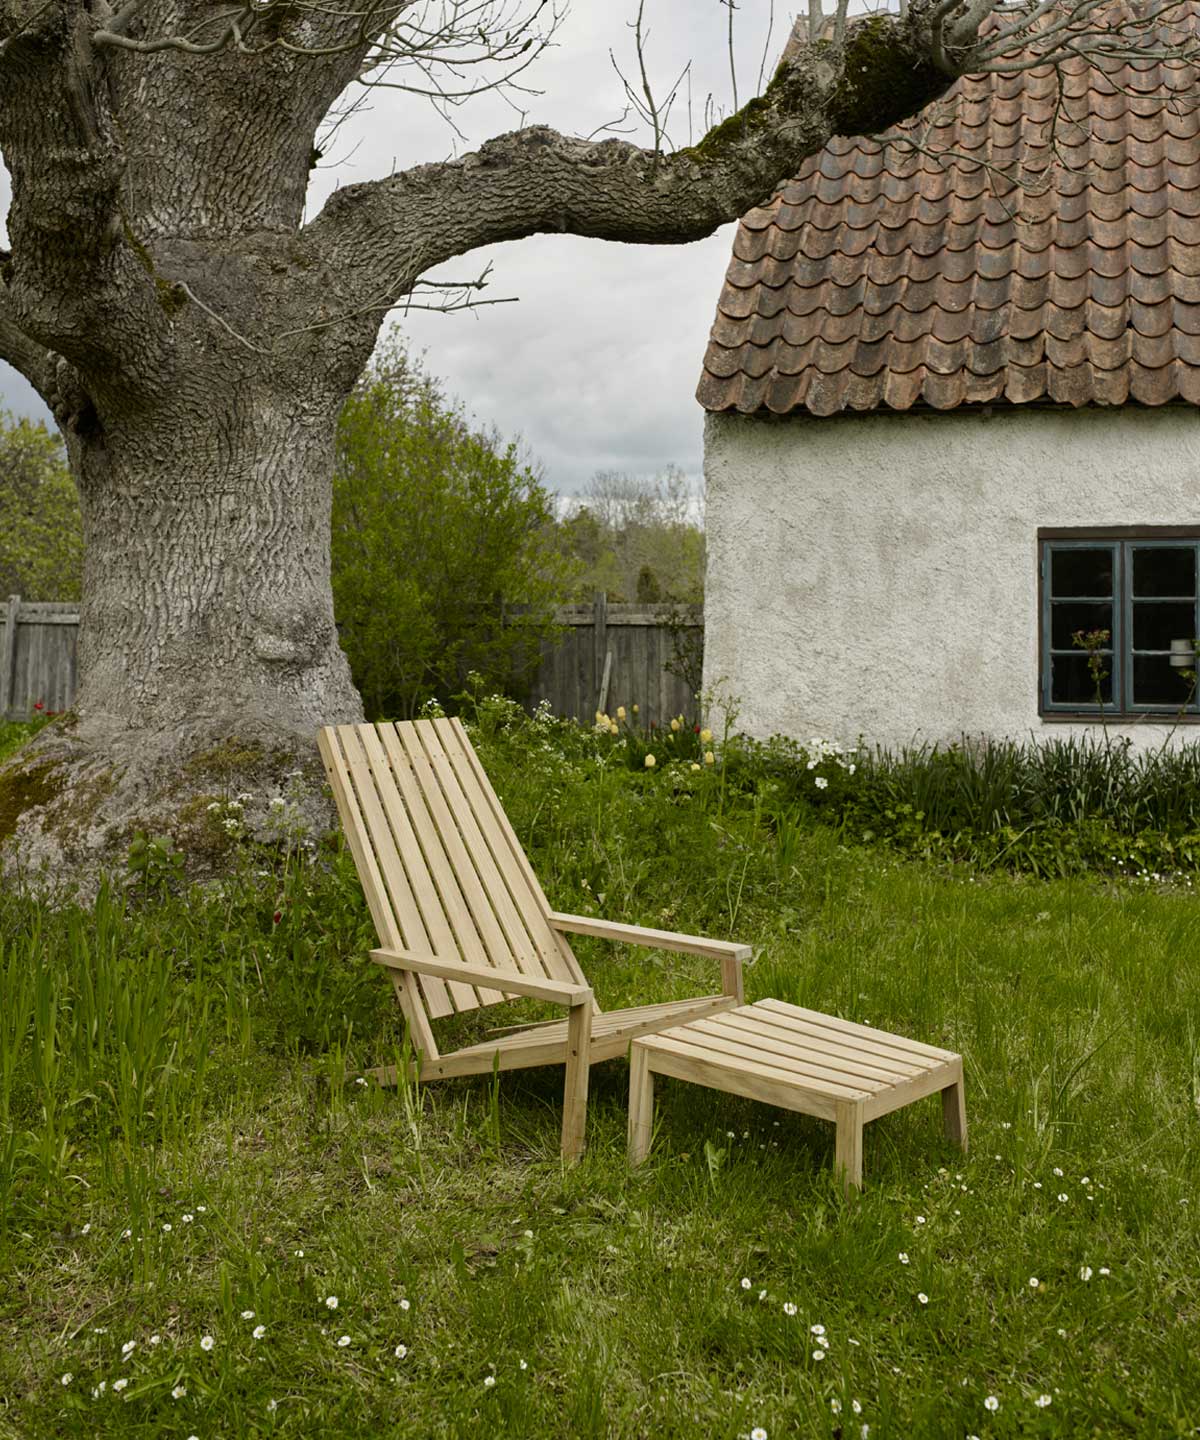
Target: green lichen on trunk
x,y
172,298
881,82
24,788
755,116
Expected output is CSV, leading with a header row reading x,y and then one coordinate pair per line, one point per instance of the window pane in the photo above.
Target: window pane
x,y
1164,570
1156,683
1071,684
1081,572
1067,620
1155,626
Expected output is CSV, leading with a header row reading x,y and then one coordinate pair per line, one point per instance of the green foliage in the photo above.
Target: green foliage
x,y
41,532
637,539
1058,807
441,563
189,1148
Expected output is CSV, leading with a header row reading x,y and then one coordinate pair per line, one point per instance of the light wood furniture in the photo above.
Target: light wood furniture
x,y
799,1060
463,923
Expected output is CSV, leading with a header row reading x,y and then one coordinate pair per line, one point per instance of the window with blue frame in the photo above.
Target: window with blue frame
x,y
1120,623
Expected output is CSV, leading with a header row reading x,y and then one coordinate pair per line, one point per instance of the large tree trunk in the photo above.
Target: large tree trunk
x,y
206,586
208,655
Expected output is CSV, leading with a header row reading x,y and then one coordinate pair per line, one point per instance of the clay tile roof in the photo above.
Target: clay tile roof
x,y
888,276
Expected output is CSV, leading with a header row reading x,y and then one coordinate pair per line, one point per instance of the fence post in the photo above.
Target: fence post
x,y
8,656
599,643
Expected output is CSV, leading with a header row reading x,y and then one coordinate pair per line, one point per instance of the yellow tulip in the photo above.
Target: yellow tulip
x,y
706,736
635,709
695,767
650,762
620,712
674,724
614,729
709,758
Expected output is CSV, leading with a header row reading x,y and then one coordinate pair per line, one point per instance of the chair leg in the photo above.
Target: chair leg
x,y
954,1113
575,1089
848,1147
641,1103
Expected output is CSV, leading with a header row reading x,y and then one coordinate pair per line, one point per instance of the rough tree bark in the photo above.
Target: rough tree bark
x,y
195,341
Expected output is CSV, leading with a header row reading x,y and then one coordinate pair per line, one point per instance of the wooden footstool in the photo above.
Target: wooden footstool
x,y
800,1060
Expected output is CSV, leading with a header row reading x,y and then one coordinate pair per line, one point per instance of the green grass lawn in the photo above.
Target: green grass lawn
x,y
209,1228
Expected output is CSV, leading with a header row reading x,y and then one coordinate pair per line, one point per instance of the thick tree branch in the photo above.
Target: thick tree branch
x,y
381,236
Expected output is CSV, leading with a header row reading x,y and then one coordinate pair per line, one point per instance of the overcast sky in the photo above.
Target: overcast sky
x,y
596,367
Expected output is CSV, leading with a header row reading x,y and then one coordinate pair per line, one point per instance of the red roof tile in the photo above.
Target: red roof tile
x,y
888,276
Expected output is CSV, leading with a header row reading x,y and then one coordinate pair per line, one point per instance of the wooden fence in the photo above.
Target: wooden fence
x,y
37,656
618,655
610,655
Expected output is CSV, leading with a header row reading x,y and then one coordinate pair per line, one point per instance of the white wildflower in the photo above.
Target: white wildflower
x,y
207,1342
259,1331
331,1302
400,1351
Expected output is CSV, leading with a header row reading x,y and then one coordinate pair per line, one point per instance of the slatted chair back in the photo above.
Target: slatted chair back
x,y
441,866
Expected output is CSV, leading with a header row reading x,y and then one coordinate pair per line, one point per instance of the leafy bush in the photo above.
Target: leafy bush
x,y
440,532
41,532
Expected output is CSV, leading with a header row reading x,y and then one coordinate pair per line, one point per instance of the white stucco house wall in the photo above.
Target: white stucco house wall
x,y
953,422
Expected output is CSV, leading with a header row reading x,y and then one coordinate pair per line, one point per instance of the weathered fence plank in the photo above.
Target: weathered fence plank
x,y
37,656
641,640
37,660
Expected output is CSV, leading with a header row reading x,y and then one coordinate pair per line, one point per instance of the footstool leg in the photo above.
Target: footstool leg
x,y
954,1112
848,1148
641,1103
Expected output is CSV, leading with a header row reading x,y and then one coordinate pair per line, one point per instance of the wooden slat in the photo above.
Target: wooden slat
x,y
428,918
888,1063
865,1075
354,828
546,1044
443,871
471,913
722,1052
803,1032
650,939
530,943
904,1093
539,987
917,1048
773,1087
520,859
379,836
527,903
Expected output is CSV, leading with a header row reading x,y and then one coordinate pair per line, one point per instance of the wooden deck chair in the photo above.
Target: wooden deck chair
x,y
462,921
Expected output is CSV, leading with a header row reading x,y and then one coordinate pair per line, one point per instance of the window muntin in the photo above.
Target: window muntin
x,y
1144,592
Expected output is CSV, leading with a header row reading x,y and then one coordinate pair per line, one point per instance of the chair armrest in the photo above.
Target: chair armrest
x,y
729,953
558,991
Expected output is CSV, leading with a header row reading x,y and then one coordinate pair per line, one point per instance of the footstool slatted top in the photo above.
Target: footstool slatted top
x,y
801,1059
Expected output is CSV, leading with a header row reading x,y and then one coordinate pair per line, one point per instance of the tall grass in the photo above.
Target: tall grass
x,y
186,1153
